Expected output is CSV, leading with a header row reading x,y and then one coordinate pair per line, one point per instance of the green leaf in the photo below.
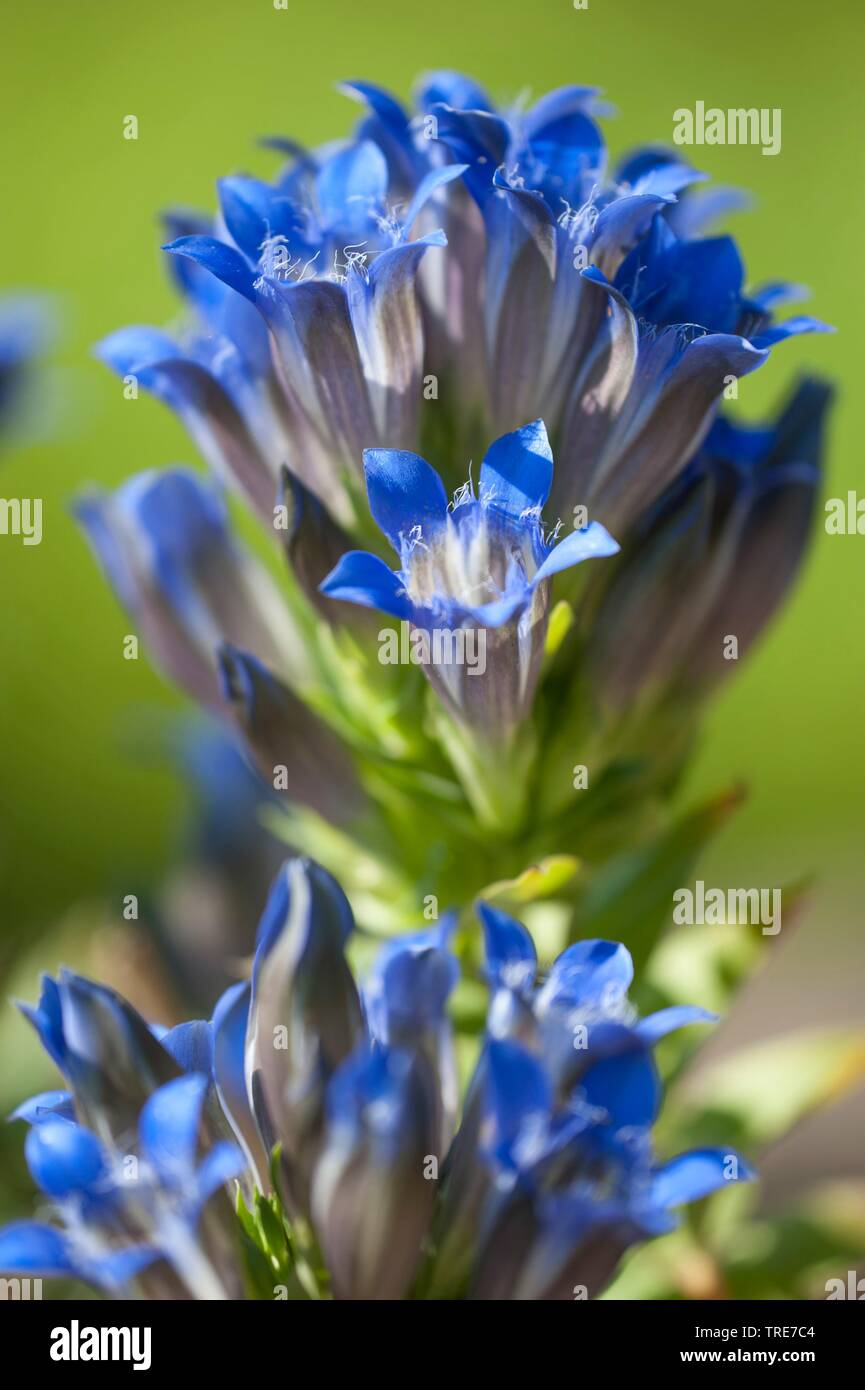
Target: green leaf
x,y
541,880
630,899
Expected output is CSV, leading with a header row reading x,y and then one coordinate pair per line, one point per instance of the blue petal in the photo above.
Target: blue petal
x,y
118,1268
619,228
517,472
406,990
228,1030
194,283
327,909
351,186
222,261
705,208
388,330
254,212
246,205
362,578
47,1019
655,169
230,1020
169,1125
564,158
656,1026
510,951
693,1175
556,106
221,1163
592,541
518,1093
404,492
500,610
476,138
429,185
134,347
191,1045
29,1247
688,282
791,328
385,106
588,972
370,1096
453,89
47,1105
184,521
65,1159
626,1086
776,292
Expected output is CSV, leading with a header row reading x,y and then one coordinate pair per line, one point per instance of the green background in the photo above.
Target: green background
x,y
80,813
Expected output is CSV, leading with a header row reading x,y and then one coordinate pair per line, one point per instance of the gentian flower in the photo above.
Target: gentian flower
x,y
425,286
324,267
127,1216
478,567
712,561
632,326
422,288
216,623
550,1175
546,1180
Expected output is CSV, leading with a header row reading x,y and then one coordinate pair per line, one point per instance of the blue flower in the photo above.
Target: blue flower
x,y
324,263
216,623
164,541
436,279
541,1185
121,1211
109,1056
719,550
305,1016
632,323
559,1114
481,565
559,289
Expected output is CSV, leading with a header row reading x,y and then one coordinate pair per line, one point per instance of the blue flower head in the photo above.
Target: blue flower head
x,y
481,564
122,1209
501,256
538,1181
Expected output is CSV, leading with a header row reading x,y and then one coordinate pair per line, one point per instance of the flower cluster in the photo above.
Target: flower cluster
x,y
566,291
117,1154
421,289
456,283
384,1191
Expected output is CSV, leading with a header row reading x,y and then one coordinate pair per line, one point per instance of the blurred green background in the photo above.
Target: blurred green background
x,y
80,814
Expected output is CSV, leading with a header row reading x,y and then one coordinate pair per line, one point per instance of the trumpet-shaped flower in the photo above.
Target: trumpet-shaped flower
x,y
537,1186
481,565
